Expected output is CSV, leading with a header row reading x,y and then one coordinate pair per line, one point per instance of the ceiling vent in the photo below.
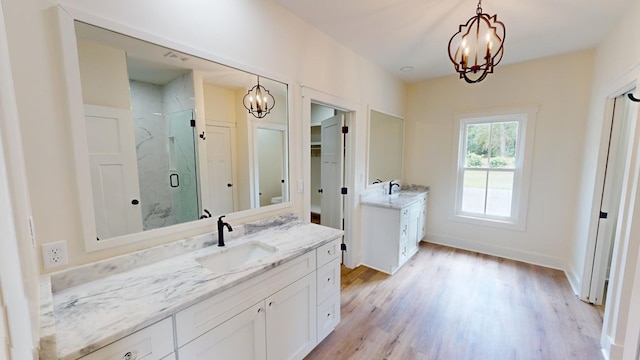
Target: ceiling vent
x,y
176,56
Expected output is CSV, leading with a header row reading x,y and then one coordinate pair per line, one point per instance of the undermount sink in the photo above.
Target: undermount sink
x,y
234,257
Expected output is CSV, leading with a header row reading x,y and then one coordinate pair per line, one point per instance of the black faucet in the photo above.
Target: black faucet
x,y
221,225
391,185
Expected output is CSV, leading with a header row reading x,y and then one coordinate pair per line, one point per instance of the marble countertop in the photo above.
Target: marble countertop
x,y
398,200
78,318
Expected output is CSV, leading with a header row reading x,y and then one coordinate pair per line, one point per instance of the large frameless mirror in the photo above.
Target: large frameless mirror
x,y
168,138
386,137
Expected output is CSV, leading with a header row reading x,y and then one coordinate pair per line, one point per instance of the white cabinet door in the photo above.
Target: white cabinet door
x,y
241,337
422,230
291,320
414,228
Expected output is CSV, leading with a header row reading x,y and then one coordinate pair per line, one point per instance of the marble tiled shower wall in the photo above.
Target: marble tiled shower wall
x,y
159,110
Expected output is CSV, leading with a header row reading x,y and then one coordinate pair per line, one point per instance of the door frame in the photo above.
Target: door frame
x,y
627,242
353,169
602,251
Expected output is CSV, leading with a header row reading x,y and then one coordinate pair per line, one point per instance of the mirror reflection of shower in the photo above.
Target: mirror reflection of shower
x,y
166,151
146,170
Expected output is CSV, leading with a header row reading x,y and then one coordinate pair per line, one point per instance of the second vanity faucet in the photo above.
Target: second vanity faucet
x,y
221,226
391,185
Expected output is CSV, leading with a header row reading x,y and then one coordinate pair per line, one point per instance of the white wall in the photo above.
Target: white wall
x,y
560,87
219,103
289,50
18,268
104,75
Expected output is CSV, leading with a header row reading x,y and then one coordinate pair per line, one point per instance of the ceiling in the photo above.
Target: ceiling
x,y
400,33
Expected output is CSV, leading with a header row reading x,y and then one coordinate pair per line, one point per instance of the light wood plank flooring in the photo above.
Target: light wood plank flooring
x,y
453,304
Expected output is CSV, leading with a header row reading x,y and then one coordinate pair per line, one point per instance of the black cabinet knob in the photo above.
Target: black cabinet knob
x,y
229,185
135,202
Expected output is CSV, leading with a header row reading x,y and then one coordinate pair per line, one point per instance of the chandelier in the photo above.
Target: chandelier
x,y
477,46
258,101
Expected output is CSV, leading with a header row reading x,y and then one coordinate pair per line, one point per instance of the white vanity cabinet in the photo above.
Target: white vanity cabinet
x,y
391,234
273,316
154,342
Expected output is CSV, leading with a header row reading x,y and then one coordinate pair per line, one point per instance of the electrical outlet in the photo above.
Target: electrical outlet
x,y
54,254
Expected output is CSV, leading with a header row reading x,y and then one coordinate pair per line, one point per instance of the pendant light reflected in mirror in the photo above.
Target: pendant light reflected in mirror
x,y
258,101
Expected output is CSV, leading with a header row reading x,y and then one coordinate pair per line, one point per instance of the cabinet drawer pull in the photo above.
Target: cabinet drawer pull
x,y
329,316
330,252
271,303
130,356
259,310
328,279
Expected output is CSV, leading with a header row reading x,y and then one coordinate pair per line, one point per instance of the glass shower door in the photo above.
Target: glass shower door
x,y
182,166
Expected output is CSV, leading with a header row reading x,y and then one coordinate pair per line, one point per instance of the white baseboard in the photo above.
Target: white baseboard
x,y
616,352
574,281
507,253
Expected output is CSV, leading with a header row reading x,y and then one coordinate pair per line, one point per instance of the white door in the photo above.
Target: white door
x,y
241,337
291,320
220,168
332,143
270,145
114,171
611,194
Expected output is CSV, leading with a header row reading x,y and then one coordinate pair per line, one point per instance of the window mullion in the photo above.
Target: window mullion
x,y
486,191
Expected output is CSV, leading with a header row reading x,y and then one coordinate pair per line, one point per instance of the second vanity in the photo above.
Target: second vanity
x,y
272,293
394,226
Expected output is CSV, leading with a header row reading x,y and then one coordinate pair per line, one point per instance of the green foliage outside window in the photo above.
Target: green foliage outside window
x,y
492,144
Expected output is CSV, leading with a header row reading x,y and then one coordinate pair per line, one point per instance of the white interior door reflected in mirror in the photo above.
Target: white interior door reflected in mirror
x,y
270,178
220,162
114,173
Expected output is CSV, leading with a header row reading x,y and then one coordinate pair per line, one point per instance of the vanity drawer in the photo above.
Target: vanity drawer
x,y
328,316
328,252
151,343
328,280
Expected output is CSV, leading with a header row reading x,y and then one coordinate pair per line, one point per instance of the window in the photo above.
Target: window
x,y
493,162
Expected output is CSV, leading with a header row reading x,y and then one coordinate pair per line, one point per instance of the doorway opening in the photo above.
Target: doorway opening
x,y
327,159
612,191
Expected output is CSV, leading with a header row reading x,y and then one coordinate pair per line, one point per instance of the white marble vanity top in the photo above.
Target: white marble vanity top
x,y
398,200
84,317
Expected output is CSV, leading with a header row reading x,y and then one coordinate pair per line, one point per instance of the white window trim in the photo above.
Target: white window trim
x,y
522,178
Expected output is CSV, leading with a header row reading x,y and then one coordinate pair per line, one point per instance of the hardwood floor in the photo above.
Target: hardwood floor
x,y
453,304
